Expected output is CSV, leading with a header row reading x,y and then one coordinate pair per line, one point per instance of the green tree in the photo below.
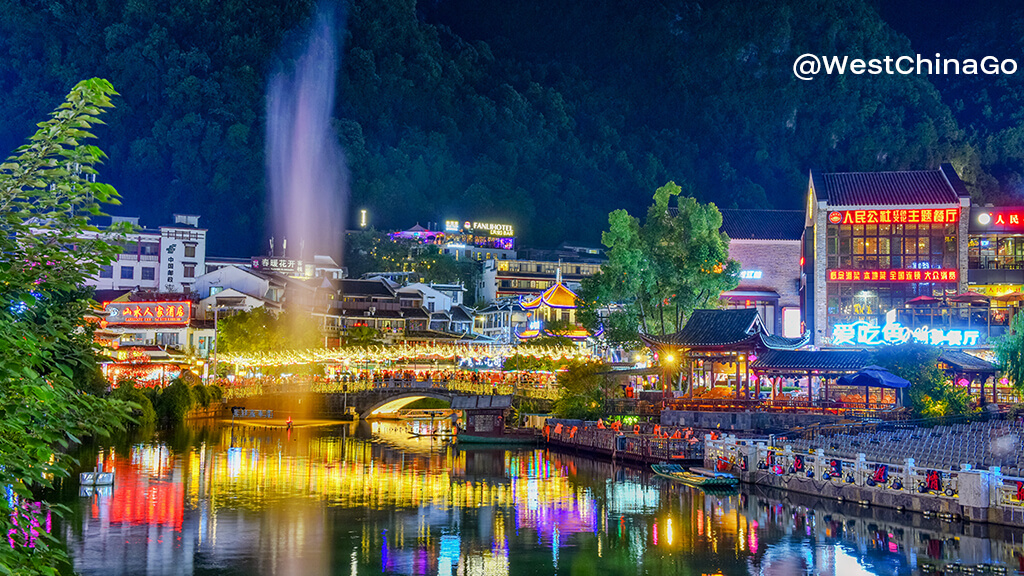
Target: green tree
x,y
259,330
583,390
931,393
362,336
659,272
1010,352
47,197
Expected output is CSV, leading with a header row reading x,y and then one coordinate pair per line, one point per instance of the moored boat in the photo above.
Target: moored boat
x,y
699,477
510,436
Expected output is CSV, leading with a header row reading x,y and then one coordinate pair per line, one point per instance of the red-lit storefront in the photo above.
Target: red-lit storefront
x,y
880,241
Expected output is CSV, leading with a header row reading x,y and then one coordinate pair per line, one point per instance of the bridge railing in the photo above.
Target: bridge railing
x,y
282,386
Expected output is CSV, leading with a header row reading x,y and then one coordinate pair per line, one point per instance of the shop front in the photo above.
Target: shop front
x,y
883,244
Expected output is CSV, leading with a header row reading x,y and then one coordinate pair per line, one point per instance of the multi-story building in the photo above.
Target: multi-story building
x,y
466,240
167,259
767,244
522,278
877,241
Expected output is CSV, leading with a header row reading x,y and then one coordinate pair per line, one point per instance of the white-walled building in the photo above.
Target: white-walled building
x,y
244,287
167,259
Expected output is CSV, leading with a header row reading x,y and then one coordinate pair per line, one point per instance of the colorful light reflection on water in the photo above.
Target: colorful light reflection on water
x,y
330,501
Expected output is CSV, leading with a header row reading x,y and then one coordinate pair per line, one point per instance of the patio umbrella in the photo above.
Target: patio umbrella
x,y
969,297
876,377
926,300
1011,297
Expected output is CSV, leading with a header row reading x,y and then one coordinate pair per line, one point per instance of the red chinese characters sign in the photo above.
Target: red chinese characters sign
x,y
148,312
892,275
896,216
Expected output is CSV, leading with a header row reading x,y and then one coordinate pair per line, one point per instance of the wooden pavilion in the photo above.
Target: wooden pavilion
x,y
718,345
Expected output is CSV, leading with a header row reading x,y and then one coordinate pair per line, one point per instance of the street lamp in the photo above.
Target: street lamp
x,y
215,338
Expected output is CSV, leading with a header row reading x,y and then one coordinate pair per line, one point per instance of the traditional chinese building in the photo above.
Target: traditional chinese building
x,y
552,313
712,355
877,241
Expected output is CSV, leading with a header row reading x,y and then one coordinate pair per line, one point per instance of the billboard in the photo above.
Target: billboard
x,y
148,312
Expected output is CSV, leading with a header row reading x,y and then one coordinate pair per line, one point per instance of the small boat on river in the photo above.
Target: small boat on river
x,y
504,436
698,477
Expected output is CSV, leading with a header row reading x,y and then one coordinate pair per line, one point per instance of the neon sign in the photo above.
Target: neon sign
x,y
901,216
863,334
750,274
1002,219
148,312
489,228
893,275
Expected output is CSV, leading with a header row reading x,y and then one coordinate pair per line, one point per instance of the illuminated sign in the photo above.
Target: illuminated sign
x,y
490,228
750,274
902,275
286,266
484,363
1002,219
896,216
864,334
148,312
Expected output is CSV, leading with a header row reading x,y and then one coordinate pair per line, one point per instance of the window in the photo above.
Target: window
x,y
127,272
106,271
190,270
149,248
190,250
148,273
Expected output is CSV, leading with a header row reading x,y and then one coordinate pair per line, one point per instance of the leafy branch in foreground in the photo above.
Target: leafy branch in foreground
x,y
47,197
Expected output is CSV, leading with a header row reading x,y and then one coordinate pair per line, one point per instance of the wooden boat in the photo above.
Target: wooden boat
x,y
506,436
699,477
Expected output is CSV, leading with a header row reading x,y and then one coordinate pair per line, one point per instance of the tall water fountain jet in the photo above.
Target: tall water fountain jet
x,y
305,163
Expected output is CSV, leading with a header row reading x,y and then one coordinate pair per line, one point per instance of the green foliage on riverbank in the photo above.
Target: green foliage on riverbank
x,y
931,393
47,361
1010,352
583,391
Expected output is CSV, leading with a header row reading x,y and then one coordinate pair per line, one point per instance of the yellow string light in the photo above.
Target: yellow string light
x,y
405,351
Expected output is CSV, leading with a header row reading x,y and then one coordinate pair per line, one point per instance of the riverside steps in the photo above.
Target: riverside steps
x,y
905,471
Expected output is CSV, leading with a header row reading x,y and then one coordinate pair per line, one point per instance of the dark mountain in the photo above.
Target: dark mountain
x,y
544,115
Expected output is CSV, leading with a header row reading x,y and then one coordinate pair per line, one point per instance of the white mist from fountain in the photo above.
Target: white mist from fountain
x,y
306,167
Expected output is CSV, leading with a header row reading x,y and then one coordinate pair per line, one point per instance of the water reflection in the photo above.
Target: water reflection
x,y
367,500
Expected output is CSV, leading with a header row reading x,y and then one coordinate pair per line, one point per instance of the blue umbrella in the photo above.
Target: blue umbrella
x,y
876,377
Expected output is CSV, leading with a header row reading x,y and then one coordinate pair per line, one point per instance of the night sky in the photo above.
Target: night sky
x,y
546,117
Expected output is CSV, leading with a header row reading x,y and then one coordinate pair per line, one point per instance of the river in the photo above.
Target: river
x,y
371,499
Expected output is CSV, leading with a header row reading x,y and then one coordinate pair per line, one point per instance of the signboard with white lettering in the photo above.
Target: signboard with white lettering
x,y
286,266
863,334
487,228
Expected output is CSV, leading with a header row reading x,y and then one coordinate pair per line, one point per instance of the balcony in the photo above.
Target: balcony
x,y
138,258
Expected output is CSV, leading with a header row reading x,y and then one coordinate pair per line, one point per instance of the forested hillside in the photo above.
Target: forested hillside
x,y
545,115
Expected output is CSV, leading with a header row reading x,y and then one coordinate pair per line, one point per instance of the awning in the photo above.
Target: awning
x,y
750,295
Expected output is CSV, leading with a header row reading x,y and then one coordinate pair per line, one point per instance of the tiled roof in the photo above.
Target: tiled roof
x,y
763,224
460,314
558,296
414,313
375,287
905,188
713,328
966,362
801,360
